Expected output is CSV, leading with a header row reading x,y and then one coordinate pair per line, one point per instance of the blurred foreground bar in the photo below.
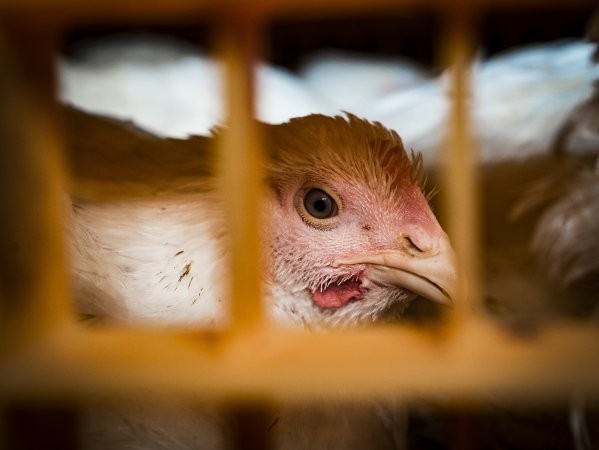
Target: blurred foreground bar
x,y
33,290
242,164
471,363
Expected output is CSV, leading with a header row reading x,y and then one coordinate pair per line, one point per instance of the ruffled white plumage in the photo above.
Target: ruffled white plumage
x,y
519,98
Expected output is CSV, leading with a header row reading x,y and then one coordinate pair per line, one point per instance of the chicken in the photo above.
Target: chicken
x,y
348,234
174,90
348,238
565,234
564,238
561,204
171,88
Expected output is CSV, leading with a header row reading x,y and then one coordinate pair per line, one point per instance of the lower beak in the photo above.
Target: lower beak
x,y
430,275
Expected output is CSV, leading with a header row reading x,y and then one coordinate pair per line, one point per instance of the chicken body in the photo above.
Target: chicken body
x,y
153,262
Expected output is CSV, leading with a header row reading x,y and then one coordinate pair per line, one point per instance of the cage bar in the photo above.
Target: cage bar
x,y
118,10
241,164
473,362
460,187
34,285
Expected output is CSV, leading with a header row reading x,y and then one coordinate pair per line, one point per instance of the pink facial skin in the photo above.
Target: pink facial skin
x,y
368,221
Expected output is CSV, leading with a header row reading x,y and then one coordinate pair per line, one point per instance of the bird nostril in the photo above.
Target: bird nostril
x,y
411,247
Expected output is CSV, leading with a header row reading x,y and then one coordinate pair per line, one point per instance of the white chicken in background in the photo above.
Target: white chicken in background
x,y
565,235
171,89
527,91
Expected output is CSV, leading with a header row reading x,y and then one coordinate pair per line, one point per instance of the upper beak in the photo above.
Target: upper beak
x,y
431,274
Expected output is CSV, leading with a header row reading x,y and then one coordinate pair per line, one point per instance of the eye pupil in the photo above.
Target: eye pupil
x,y
319,204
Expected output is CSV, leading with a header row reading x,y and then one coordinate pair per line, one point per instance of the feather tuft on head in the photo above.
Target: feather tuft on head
x,y
347,148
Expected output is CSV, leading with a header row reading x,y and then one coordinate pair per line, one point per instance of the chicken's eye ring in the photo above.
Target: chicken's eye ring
x,y
317,207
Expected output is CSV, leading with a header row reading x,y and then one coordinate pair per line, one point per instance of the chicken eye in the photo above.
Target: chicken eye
x,y
319,204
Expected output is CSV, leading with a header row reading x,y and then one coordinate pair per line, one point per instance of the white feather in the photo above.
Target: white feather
x,y
520,98
351,82
523,97
158,262
170,88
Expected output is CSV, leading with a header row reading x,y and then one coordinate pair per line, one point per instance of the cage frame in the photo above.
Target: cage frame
x,y
46,355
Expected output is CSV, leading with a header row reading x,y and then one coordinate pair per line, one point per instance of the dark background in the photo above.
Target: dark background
x,y
411,33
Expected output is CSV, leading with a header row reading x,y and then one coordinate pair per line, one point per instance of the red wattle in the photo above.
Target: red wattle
x,y
336,296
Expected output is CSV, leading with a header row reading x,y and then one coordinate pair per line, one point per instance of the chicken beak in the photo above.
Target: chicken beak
x,y
430,274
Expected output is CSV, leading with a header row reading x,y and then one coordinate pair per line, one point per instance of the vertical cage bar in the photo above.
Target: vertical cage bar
x,y
460,161
33,282
241,166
